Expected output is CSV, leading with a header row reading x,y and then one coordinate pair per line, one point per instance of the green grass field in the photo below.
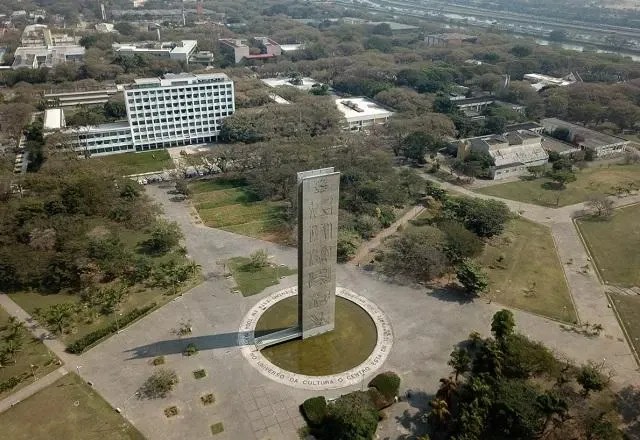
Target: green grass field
x,y
525,271
590,181
251,282
229,205
67,409
614,244
628,308
33,358
138,163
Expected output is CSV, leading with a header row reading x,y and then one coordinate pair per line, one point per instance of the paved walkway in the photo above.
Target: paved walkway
x,y
31,389
362,256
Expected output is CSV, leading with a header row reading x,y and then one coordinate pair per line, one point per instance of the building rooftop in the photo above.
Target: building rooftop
x,y
171,79
120,125
53,119
360,108
589,138
307,83
530,125
453,36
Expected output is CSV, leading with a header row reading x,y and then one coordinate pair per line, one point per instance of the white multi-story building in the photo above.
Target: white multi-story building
x,y
178,109
164,112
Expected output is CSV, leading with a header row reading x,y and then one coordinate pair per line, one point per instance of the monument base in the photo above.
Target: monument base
x,y
315,331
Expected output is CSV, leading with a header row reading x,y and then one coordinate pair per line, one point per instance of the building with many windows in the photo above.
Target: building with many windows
x,y
178,109
163,112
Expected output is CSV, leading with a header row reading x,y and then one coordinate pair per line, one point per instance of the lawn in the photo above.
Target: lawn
x,y
614,244
228,204
33,357
140,295
525,271
251,281
138,163
67,409
628,308
594,180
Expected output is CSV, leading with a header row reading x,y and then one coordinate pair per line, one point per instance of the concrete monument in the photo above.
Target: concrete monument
x,y
318,193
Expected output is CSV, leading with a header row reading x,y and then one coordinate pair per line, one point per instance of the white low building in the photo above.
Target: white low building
x,y
301,84
602,145
103,139
180,51
539,81
512,152
53,119
362,112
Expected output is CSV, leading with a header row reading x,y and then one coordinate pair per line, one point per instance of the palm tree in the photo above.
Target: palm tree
x,y
448,388
551,406
459,361
439,411
14,329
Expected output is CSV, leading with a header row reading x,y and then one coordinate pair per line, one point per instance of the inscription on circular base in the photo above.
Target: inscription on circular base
x,y
353,376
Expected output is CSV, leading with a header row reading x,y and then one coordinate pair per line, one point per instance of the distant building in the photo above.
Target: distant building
x,y
253,49
105,28
362,112
600,144
539,81
512,152
180,51
164,112
472,107
303,84
41,48
86,97
530,125
449,39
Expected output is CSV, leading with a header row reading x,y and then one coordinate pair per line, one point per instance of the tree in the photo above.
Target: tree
x,y
442,104
447,390
485,218
58,316
551,406
182,187
348,244
521,51
561,177
472,277
164,236
601,205
590,378
503,324
557,35
415,146
351,417
460,243
416,253
159,384
439,413
460,361
115,109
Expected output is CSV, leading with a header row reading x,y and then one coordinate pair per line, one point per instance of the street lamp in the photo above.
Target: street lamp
x,y
33,371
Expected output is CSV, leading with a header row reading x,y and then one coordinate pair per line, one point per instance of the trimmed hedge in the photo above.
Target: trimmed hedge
x,y
388,384
89,339
378,400
314,410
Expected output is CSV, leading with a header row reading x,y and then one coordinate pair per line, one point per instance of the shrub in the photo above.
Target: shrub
x,y
388,384
207,399
158,361
10,383
159,384
378,399
190,349
171,411
348,243
472,277
351,417
89,339
258,260
314,410
199,374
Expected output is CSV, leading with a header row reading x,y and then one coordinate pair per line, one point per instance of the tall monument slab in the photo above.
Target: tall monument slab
x,y
318,194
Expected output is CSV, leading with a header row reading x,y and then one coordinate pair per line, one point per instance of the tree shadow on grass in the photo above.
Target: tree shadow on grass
x,y
202,343
552,186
